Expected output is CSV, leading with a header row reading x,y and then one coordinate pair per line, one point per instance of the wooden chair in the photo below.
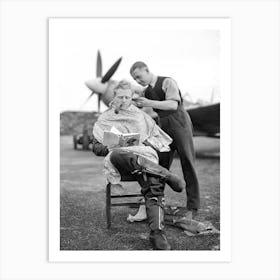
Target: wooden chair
x,y
110,197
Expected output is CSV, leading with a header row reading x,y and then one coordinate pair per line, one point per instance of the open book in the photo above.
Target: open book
x,y
115,139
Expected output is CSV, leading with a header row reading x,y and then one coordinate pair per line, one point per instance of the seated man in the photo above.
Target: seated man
x,y
140,161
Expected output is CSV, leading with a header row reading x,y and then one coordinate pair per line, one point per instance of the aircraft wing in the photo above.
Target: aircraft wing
x,y
206,120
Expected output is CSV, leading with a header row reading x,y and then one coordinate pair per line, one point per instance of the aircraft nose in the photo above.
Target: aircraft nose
x,y
91,83
88,84
96,85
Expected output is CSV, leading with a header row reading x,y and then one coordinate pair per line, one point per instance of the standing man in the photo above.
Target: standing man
x,y
164,96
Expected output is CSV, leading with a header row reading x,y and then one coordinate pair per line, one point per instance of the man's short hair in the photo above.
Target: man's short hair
x,y
123,84
138,64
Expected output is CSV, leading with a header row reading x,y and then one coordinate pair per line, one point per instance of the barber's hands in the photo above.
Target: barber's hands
x,y
142,102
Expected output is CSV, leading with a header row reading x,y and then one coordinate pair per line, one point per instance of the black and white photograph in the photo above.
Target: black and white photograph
x,y
139,132
139,139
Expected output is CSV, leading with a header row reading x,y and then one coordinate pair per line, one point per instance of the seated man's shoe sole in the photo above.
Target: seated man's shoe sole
x,y
176,183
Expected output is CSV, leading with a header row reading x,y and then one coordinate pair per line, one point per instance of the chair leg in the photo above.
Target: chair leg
x,y
108,205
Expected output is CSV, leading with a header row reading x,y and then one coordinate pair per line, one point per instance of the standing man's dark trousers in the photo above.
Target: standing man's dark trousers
x,y
152,188
179,127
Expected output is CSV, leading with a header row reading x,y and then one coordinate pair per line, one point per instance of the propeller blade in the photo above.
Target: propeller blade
x,y
98,65
111,71
88,98
98,102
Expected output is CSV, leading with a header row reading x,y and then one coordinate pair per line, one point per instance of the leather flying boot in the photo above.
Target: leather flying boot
x,y
174,181
155,213
159,240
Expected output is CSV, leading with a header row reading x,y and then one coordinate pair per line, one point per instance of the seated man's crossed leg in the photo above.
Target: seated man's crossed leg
x,y
152,178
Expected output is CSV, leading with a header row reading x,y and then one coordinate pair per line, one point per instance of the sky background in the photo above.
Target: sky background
x,y
178,49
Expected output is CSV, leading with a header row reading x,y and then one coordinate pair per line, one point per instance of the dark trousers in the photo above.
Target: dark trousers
x,y
126,163
179,127
152,187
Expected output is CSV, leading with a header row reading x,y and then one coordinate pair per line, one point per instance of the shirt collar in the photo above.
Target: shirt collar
x,y
153,81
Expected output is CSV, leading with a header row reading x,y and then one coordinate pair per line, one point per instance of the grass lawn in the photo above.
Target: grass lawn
x,y
82,207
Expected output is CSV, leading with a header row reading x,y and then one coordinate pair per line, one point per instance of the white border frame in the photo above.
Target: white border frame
x,y
58,27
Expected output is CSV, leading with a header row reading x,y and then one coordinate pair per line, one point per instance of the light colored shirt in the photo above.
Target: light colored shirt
x,y
171,89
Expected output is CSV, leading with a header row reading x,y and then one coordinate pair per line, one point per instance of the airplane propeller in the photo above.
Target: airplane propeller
x,y
111,71
98,74
98,85
98,65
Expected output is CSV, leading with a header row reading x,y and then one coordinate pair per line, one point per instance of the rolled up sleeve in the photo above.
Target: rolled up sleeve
x,y
171,90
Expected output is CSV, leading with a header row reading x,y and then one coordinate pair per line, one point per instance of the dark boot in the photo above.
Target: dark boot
x,y
175,182
155,214
159,240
